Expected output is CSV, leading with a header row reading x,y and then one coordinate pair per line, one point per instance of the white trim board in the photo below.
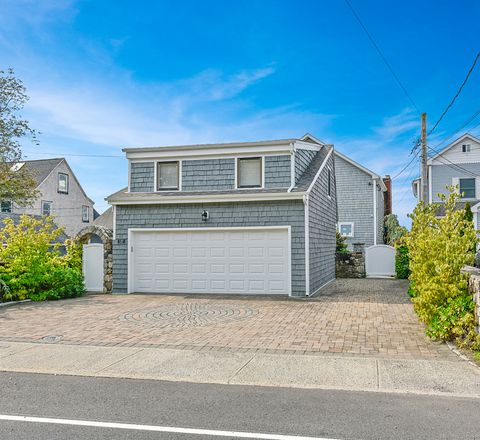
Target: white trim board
x,y
132,231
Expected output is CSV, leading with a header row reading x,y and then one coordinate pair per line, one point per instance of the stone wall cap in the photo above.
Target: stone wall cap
x,y
471,270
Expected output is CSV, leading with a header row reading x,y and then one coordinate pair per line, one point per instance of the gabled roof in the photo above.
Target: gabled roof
x,y
41,169
362,168
307,137
453,144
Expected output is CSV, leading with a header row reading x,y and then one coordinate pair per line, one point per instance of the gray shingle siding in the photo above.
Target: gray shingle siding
x,y
277,171
302,160
442,175
355,201
142,177
208,174
221,215
322,226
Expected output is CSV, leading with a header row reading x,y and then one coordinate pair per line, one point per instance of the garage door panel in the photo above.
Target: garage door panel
x,y
203,261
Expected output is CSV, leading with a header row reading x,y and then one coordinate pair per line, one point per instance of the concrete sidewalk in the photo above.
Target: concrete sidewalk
x,y
343,372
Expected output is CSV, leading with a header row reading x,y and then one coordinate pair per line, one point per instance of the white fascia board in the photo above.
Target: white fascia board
x,y
209,151
452,144
307,146
155,199
321,168
313,138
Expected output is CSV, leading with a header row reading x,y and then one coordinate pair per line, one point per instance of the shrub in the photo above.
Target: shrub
x,y
438,248
402,262
62,282
32,266
341,247
393,231
73,255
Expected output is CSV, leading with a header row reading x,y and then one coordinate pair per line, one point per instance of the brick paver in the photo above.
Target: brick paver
x,y
356,317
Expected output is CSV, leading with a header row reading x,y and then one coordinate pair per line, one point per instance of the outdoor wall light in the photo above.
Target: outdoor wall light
x,y
205,215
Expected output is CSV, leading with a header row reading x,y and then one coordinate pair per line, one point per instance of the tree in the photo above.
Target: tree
x,y
393,231
17,184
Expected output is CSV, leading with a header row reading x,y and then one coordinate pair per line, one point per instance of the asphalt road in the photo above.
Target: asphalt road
x,y
161,406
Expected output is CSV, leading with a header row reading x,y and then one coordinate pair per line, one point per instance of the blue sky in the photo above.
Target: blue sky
x,y
103,75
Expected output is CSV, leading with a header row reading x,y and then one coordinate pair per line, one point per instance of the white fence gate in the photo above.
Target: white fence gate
x,y
380,261
93,267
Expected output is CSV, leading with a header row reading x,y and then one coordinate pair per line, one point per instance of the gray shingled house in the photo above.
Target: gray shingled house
x,y
240,218
60,195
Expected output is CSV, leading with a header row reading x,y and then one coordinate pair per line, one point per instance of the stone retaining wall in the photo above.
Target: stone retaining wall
x,y
350,265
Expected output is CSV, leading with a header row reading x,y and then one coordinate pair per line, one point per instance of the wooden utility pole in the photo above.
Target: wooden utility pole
x,y
423,144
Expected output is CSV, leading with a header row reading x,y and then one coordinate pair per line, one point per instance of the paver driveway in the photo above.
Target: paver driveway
x,y
362,317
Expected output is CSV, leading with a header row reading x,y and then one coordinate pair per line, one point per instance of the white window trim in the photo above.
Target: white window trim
x,y
351,224
58,182
474,188
262,158
41,206
155,176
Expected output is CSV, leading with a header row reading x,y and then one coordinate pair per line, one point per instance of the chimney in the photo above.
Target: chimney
x,y
387,199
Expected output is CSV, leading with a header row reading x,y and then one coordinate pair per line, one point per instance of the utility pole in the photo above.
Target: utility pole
x,y
423,144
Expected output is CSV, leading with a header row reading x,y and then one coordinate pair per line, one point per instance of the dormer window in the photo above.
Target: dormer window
x,y
249,172
62,183
168,176
466,148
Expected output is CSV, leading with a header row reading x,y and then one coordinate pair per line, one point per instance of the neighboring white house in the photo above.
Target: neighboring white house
x,y
61,195
457,164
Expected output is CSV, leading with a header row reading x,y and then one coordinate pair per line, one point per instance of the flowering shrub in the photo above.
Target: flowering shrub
x,y
438,248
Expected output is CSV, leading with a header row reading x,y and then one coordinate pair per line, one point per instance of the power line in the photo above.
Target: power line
x,y
470,119
454,165
406,166
449,106
382,56
73,155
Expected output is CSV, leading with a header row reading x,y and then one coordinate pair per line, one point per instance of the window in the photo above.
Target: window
x,y
46,208
63,183
6,206
345,229
249,172
167,176
466,148
467,188
329,183
85,214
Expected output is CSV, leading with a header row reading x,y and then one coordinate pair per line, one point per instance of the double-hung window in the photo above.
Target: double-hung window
x,y
85,213
46,207
466,148
168,176
467,188
63,183
249,172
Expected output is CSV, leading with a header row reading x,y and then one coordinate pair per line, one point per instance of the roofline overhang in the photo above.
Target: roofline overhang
x,y
156,199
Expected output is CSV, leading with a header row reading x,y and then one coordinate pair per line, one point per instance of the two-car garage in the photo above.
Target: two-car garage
x,y
253,260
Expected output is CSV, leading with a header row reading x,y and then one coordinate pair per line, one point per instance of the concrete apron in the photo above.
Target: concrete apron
x,y
342,372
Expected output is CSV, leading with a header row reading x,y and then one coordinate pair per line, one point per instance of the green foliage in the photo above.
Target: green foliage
x,y
18,186
393,231
468,212
73,256
341,247
438,249
402,261
31,261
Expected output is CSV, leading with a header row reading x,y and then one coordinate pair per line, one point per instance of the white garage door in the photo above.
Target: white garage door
x,y
246,261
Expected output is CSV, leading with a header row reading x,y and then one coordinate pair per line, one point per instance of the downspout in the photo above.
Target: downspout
x,y
292,167
307,246
375,212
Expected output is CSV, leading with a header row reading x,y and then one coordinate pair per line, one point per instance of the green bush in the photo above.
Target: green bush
x,y
62,282
341,247
32,266
438,248
402,263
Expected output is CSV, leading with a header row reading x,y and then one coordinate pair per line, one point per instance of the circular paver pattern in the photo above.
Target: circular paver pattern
x,y
189,315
